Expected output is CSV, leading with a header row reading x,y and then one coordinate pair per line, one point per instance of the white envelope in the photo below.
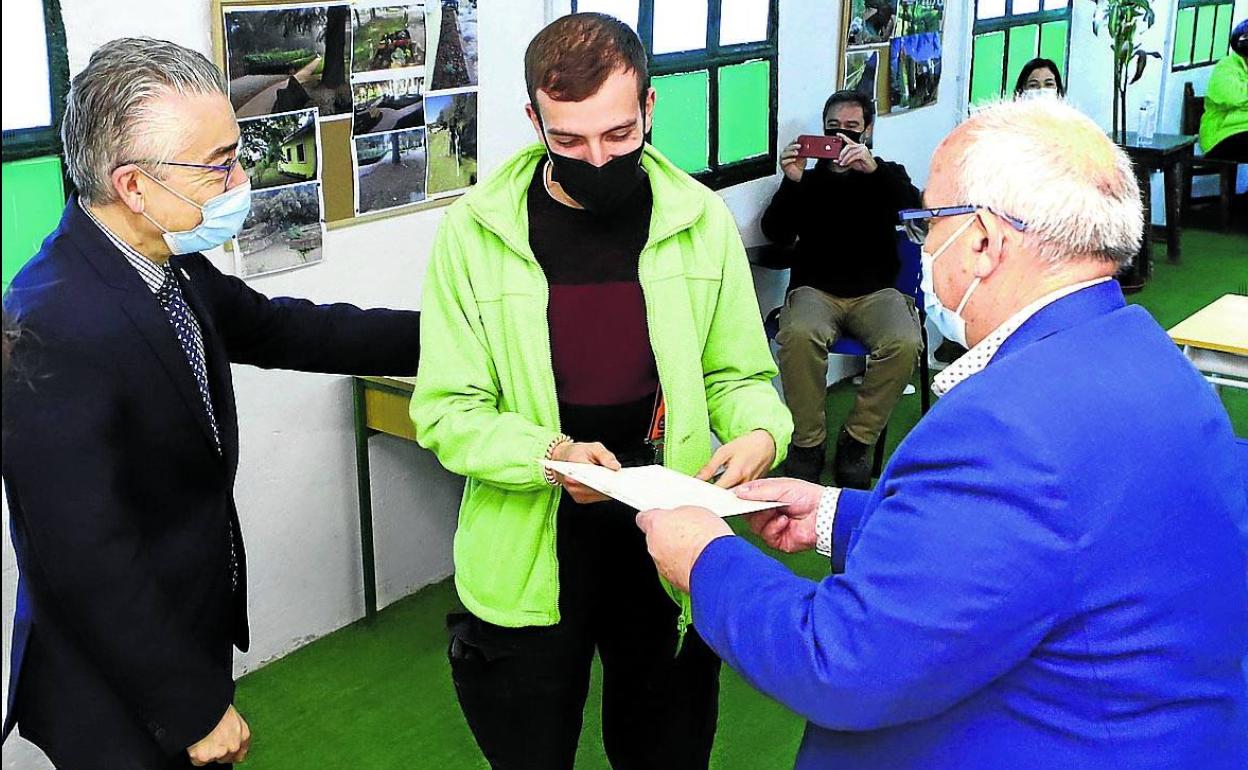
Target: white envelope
x,y
653,486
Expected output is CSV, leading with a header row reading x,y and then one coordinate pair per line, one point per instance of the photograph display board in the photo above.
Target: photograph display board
x,y
348,111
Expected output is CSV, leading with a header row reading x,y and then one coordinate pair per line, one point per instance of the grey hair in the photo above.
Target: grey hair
x,y
112,114
1051,166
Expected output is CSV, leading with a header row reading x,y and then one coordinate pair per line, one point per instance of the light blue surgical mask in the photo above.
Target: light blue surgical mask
x,y
950,322
222,218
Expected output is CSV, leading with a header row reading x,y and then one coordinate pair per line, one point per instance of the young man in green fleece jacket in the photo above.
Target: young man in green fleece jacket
x,y
584,288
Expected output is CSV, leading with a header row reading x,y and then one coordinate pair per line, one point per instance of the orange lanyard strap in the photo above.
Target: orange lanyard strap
x,y
658,421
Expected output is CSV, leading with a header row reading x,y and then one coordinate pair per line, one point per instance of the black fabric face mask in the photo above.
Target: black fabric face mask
x,y
855,136
599,189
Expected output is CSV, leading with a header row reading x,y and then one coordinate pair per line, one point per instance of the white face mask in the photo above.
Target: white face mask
x,y
950,322
1041,93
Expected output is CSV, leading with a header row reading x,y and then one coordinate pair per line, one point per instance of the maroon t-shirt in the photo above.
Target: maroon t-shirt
x,y
605,374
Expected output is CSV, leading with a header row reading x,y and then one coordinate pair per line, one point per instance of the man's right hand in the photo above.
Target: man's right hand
x,y
228,742
577,452
792,165
791,526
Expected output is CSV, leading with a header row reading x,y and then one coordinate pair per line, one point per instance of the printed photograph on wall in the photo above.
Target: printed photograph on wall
x,y
871,21
387,37
290,57
452,28
387,105
452,139
283,231
862,68
915,55
390,170
277,150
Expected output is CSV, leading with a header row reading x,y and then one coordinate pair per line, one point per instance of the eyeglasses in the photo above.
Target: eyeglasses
x,y
915,221
227,169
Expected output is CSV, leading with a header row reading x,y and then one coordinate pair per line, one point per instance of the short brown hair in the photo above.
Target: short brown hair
x,y
574,55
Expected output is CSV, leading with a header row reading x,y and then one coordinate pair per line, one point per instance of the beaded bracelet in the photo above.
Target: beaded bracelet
x,y
547,473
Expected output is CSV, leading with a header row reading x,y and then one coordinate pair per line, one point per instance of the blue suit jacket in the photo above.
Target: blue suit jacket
x,y
121,506
1050,573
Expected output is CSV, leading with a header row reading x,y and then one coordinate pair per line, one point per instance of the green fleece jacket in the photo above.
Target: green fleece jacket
x,y
1226,102
485,399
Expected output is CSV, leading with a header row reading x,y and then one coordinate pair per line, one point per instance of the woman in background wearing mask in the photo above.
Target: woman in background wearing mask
x,y
1224,126
1040,78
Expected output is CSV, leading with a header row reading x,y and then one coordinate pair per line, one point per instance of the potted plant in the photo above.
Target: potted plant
x,y
1122,19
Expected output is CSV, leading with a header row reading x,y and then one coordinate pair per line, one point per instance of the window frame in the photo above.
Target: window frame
x,y
712,59
1007,22
42,141
1213,58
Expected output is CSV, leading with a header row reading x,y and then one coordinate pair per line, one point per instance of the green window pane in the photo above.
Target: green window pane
x,y
681,118
33,201
1053,37
987,60
1222,31
1024,42
1202,51
1183,31
744,96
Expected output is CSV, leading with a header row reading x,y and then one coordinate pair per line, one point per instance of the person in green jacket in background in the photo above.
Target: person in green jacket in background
x,y
1224,126
589,302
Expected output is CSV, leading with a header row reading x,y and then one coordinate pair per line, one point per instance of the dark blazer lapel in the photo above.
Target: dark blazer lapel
x,y
139,304
150,320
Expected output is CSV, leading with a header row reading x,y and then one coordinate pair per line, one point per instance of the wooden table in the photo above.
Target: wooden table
x,y
1215,339
381,405
1172,155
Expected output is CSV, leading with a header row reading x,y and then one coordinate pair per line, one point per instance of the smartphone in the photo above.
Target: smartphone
x,y
811,146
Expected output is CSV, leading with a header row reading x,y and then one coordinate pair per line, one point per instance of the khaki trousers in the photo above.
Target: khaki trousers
x,y
810,322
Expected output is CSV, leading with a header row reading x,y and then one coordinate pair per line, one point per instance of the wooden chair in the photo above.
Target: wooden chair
x,y
1225,170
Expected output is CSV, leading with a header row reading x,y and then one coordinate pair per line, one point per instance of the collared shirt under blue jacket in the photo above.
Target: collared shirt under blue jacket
x,y
1050,573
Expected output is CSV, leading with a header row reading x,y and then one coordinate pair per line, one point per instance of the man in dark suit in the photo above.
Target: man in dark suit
x,y
121,436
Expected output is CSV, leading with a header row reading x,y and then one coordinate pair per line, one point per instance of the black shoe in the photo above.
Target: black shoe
x,y
852,466
805,462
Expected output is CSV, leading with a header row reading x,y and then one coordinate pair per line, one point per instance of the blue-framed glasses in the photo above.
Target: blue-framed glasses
x,y
915,221
227,169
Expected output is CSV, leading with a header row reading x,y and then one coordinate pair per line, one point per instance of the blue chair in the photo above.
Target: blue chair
x,y
908,279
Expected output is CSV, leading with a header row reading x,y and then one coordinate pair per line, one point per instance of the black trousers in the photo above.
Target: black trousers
x,y
523,690
1233,147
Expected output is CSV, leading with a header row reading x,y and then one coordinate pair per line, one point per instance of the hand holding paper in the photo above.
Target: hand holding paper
x,y
654,486
579,453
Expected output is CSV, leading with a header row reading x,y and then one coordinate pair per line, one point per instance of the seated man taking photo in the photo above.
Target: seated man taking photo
x,y
842,214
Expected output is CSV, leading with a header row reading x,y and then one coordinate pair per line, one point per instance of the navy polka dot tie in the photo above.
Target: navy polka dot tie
x,y
191,338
